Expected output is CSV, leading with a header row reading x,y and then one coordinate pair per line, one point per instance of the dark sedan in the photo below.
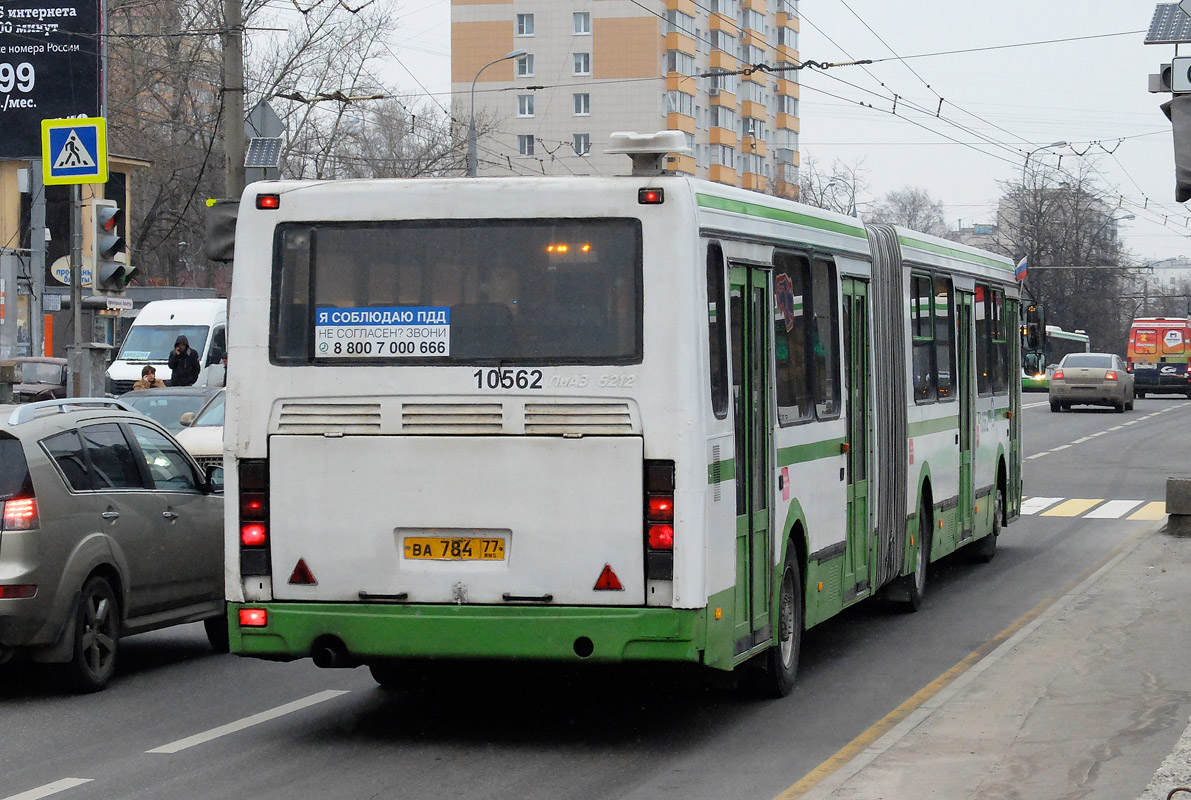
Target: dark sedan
x,y
167,405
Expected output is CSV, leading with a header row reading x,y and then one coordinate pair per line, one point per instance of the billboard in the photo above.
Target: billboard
x,y
49,68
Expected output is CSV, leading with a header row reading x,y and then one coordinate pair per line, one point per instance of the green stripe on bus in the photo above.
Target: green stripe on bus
x,y
932,426
801,453
951,252
778,214
721,471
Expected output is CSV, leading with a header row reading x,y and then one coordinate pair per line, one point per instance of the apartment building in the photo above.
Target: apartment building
x,y
592,67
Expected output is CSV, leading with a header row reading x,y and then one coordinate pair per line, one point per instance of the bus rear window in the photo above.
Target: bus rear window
x,y
458,291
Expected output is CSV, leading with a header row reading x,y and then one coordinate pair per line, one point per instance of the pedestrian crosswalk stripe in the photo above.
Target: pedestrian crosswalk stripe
x,y
1036,504
1150,511
1113,509
1070,508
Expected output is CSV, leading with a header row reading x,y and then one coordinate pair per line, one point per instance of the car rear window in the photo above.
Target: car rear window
x,y
1098,360
14,470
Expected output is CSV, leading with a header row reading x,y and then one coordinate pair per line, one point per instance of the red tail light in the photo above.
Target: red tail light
x,y
1057,376
659,520
253,618
661,507
1111,375
20,514
20,592
252,534
661,537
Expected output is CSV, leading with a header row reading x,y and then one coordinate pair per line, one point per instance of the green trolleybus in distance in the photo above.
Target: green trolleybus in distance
x,y
641,418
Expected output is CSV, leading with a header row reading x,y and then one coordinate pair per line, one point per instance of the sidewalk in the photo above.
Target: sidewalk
x,y
1090,700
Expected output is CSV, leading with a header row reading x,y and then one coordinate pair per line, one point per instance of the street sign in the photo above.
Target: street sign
x,y
51,302
120,303
49,69
60,270
74,150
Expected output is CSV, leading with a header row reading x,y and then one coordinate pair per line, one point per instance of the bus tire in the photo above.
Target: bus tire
x,y
217,632
985,549
392,675
915,582
782,659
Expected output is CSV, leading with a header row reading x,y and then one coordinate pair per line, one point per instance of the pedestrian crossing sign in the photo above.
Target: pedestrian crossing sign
x,y
74,150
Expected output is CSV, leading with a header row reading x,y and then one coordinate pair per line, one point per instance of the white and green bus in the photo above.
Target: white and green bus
x,y
643,418
1038,364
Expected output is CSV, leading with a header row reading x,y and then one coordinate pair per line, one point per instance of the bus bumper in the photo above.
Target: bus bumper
x,y
566,634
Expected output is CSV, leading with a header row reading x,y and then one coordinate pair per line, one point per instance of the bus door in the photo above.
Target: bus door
x,y
856,373
751,321
966,361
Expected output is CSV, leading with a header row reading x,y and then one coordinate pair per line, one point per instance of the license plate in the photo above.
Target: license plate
x,y
469,548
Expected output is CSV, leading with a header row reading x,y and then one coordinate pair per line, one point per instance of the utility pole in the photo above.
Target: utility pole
x,y
233,96
36,258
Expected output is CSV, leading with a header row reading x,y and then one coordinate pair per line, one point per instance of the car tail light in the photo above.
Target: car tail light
x,y
1111,375
20,592
1057,375
659,520
254,517
20,514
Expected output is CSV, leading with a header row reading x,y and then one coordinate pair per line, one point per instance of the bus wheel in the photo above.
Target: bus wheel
x,y
782,661
916,580
985,549
391,675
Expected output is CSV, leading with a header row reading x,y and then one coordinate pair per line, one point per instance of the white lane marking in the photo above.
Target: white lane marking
x,y
1081,441
1037,455
1036,504
247,722
49,789
1097,433
1060,447
1036,405
1113,509
1116,427
1133,422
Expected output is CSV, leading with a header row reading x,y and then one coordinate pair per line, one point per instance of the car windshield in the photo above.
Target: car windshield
x,y
166,409
41,372
14,471
154,342
212,415
1095,360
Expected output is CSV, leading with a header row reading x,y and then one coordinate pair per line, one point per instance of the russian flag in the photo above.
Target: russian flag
x,y
1020,272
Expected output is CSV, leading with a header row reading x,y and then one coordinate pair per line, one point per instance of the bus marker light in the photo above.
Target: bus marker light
x,y
302,576
719,612
911,541
608,582
820,586
253,618
651,197
269,201
252,534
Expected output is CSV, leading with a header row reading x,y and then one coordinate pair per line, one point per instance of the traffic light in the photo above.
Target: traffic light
x,y
109,272
1178,111
1035,327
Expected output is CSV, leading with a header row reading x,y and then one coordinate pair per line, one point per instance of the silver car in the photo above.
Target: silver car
x,y
1099,379
108,528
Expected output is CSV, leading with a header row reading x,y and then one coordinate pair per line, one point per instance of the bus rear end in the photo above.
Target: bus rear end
x,y
436,434
1159,348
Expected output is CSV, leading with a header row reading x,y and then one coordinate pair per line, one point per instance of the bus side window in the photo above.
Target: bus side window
x,y
983,343
825,338
791,298
922,319
944,338
717,334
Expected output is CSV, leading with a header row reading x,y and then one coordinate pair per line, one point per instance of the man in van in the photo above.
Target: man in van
x,y
183,363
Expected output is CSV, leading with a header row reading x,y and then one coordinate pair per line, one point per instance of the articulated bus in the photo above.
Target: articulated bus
x,y
622,419
1159,349
1038,364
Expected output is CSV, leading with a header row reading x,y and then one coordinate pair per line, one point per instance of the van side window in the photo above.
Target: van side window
x,y
218,346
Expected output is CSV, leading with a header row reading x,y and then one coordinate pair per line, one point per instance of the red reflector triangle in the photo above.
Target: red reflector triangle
x,y
302,574
608,582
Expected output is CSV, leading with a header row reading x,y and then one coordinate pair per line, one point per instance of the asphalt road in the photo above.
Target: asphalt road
x,y
179,721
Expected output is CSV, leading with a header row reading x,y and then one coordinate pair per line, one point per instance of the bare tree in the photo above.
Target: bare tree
x,y
911,207
839,189
1063,222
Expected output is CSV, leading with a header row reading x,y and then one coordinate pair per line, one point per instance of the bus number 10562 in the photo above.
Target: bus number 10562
x,y
508,378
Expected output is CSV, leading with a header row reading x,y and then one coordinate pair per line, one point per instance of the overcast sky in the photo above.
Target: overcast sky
x,y
998,104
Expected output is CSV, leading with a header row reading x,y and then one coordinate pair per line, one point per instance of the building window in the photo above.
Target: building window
x,y
753,20
752,127
787,105
525,66
582,63
525,105
751,54
681,103
724,41
723,117
525,145
723,155
722,82
581,142
524,24
680,62
787,37
582,23
676,21
582,104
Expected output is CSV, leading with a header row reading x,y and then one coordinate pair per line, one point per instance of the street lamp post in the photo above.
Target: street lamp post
x,y
471,124
1022,208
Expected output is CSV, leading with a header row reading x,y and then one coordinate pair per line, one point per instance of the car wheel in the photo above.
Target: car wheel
x,y
985,549
1055,407
96,636
1129,405
217,632
1138,394
1119,406
782,659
